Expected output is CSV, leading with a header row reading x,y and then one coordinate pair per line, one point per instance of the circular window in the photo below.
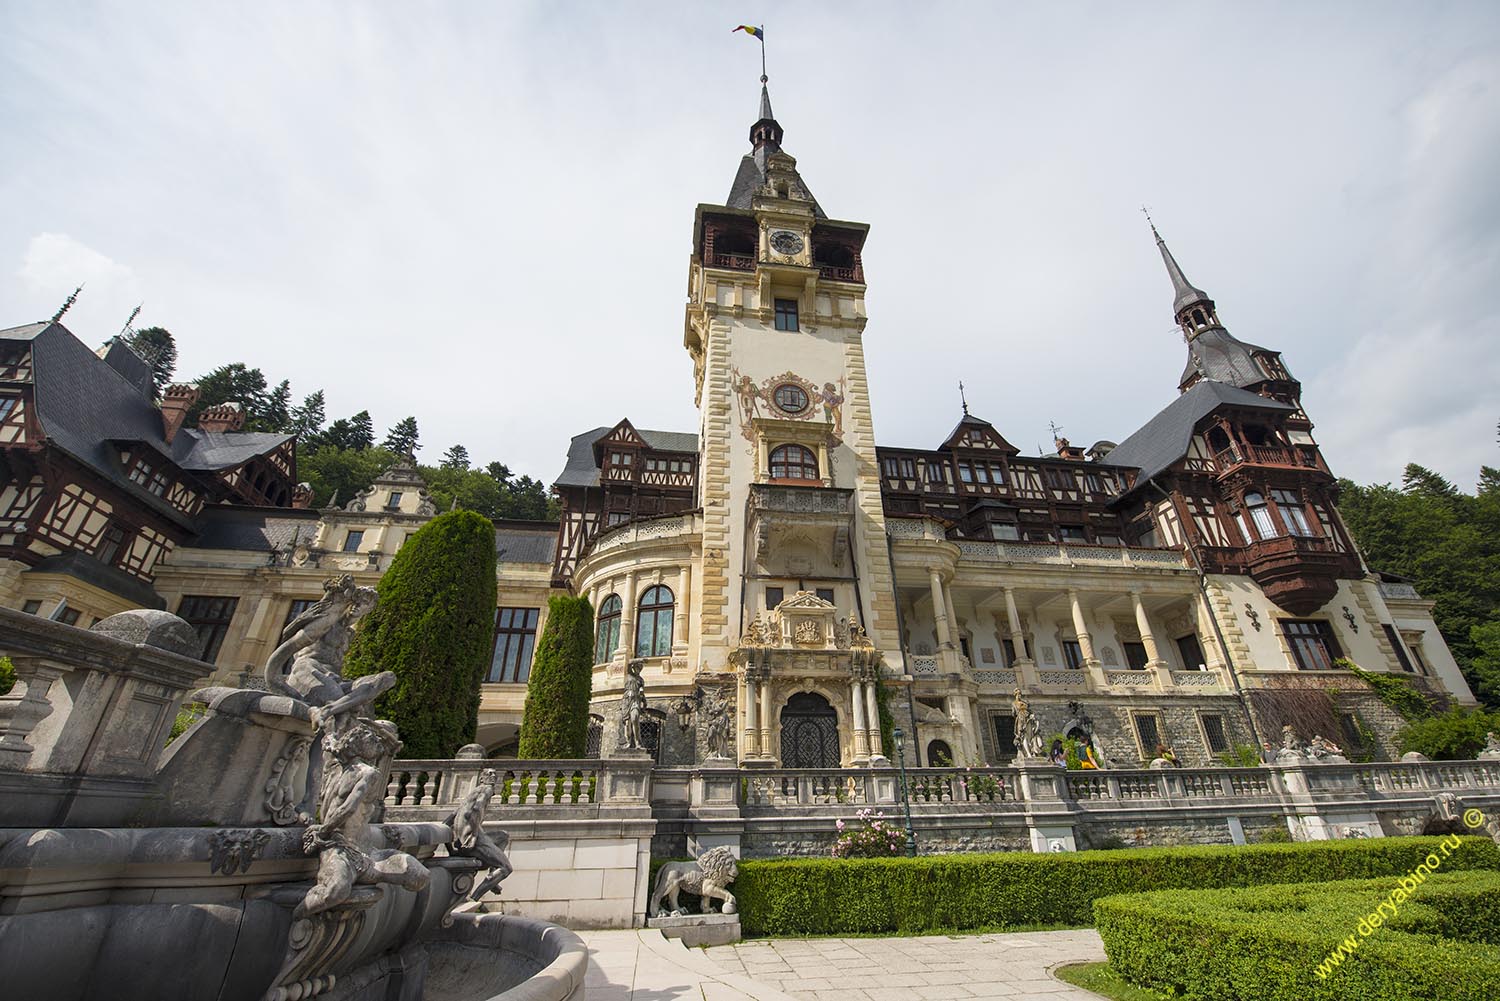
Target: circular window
x,y
792,399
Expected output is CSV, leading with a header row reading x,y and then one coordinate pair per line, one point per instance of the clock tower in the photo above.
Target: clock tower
x,y
796,587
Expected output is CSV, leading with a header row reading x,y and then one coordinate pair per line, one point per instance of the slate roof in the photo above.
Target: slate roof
x,y
255,529
1164,438
525,541
1223,357
751,175
581,470
84,404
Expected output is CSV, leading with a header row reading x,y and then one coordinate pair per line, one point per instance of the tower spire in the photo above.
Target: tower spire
x,y
1185,293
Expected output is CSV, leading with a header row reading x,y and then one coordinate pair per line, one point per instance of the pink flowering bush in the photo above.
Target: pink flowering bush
x,y
876,837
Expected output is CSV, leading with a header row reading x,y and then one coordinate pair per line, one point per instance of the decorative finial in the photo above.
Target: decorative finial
x,y
1147,213
1056,433
67,304
961,397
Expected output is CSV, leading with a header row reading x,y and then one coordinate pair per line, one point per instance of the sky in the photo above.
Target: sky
x,y
480,213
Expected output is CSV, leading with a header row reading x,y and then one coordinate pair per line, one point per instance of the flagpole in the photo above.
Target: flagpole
x,y
762,53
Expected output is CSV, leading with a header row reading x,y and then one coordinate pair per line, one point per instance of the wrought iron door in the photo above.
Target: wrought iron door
x,y
809,733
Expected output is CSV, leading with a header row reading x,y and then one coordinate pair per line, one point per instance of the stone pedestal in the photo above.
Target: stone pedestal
x,y
700,929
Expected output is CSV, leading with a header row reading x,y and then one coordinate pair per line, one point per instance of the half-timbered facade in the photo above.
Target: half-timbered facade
x,y
98,483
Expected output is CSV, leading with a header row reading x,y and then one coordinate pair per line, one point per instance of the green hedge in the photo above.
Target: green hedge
x,y
955,892
1274,943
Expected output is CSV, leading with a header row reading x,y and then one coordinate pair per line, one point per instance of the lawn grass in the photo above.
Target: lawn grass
x,y
1102,979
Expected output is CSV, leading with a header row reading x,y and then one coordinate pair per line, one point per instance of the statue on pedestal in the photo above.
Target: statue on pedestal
x,y
470,840
1491,747
633,706
716,732
1029,742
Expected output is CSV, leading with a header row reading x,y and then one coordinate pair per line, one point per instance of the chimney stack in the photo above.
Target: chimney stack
x,y
222,417
176,400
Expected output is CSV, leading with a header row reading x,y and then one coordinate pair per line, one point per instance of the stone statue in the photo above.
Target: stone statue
x,y
470,840
716,732
1029,743
354,798
632,706
1322,749
1292,748
1491,747
308,664
709,878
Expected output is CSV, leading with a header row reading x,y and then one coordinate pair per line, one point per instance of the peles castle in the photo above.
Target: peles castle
x,y
1189,587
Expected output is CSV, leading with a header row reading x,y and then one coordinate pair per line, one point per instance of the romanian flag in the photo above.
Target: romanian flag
x,y
752,31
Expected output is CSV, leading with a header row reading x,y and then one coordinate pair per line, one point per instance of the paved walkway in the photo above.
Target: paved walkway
x,y
643,966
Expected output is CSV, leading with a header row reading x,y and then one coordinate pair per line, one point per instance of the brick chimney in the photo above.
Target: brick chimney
x,y
222,417
176,400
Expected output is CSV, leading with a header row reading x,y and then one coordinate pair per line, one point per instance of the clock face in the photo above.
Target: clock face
x,y
784,241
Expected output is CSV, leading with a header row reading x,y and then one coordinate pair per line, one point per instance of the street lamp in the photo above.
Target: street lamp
x,y
911,835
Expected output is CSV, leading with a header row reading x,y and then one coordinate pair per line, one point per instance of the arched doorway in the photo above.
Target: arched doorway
x,y
939,754
809,732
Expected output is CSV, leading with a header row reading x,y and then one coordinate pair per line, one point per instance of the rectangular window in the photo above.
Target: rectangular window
x,y
773,597
111,544
1292,515
7,405
1072,533
965,472
1398,646
159,484
937,472
1135,656
1314,645
69,617
209,615
1072,655
1414,644
617,518
1148,731
786,314
1005,532
515,635
826,593
32,607
1213,733
352,540
394,502
1191,652
1010,651
1005,736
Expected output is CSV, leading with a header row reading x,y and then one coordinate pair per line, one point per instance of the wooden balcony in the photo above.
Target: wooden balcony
x,y
838,274
732,262
1263,455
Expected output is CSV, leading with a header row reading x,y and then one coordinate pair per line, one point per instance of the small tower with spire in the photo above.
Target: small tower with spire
x,y
1214,354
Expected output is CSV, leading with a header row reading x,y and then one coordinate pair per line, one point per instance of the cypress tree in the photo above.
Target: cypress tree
x,y
556,721
434,627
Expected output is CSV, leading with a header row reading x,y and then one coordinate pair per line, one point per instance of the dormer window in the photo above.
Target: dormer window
x,y
352,540
394,502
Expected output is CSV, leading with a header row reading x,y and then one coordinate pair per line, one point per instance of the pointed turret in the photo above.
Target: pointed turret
x,y
765,142
1214,353
1186,293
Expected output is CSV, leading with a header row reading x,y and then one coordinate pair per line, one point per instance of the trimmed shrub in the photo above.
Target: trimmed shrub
x,y
434,627
1278,943
555,723
955,892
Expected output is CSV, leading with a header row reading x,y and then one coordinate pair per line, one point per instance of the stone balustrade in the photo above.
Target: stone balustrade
x,y
419,788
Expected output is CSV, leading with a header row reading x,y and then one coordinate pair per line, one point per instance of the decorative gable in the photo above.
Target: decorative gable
x,y
977,435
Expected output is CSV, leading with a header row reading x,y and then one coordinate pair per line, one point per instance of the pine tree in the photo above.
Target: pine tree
x,y
307,420
362,430
278,416
232,383
456,457
434,627
555,723
403,437
159,350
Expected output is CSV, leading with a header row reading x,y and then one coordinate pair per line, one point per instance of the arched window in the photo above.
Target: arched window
x,y
1261,514
653,623
607,638
793,462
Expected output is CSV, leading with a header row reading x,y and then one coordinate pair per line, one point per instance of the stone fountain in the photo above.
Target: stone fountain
x,y
246,860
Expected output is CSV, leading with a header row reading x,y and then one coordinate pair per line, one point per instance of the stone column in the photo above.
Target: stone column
x,y
872,715
1085,641
626,649
861,727
765,719
680,613
939,610
751,743
1143,623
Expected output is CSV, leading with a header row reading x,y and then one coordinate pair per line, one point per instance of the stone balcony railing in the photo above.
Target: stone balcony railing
x,y
422,789
1055,680
1071,554
646,530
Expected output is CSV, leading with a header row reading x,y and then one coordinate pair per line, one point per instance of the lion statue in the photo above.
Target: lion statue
x,y
709,878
